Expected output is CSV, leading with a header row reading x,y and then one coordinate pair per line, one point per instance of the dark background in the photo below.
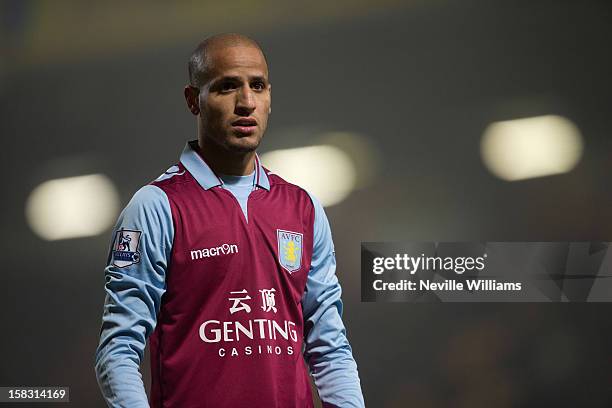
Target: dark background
x,y
97,87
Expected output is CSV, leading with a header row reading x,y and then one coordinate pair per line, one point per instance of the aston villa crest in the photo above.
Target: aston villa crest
x,y
289,249
125,248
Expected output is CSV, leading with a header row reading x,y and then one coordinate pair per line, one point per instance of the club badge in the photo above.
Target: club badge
x,y
289,249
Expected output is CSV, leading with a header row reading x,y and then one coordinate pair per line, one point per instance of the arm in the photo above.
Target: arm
x,y
327,350
133,297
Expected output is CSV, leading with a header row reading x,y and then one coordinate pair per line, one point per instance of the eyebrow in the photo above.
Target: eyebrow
x,y
237,78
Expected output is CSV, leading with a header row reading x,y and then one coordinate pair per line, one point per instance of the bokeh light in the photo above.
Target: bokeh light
x,y
532,147
325,171
72,207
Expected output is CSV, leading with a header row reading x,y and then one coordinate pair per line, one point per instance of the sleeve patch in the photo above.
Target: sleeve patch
x,y
125,248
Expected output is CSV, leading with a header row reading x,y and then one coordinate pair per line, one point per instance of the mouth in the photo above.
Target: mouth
x,y
244,125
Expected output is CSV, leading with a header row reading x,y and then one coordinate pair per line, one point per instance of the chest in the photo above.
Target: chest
x,y
216,250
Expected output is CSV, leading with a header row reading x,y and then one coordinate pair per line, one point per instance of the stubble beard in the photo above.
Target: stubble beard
x,y
231,144
243,145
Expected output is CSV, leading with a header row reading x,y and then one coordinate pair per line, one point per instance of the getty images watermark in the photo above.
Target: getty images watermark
x,y
486,272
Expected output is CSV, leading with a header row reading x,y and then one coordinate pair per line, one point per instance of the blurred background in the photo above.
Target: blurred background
x,y
414,121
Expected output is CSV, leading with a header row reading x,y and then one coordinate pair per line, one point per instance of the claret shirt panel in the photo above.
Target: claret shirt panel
x,y
231,320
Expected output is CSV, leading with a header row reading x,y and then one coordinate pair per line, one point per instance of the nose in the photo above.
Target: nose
x,y
245,103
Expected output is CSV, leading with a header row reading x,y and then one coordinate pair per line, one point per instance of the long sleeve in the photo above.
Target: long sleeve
x,y
134,285
327,350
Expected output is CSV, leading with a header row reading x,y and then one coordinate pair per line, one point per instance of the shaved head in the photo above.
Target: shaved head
x,y
230,94
200,62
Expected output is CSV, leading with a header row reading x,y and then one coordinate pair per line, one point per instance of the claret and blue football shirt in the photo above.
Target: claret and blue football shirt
x,y
232,279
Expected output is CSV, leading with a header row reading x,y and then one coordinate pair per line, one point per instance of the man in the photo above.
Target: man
x,y
228,268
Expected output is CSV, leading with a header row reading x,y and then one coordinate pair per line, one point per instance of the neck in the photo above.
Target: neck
x,y
223,162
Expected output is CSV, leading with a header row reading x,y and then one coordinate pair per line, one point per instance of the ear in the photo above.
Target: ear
x,y
191,97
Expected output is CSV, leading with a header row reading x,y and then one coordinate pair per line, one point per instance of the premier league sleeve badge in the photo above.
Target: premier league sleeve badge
x,y
125,248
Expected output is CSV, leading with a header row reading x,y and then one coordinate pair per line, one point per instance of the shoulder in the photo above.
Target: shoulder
x,y
147,201
280,183
148,214
175,174
320,218
149,195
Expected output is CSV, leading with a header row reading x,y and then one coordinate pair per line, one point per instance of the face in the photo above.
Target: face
x,y
234,103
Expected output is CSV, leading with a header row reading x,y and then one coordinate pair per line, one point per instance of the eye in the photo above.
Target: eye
x,y
259,86
226,86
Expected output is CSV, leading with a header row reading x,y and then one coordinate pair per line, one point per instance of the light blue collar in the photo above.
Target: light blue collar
x,y
206,177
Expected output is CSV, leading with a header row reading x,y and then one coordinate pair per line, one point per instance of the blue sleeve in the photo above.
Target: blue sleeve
x,y
327,350
134,284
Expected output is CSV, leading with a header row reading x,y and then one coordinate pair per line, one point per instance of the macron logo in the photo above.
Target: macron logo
x,y
224,249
